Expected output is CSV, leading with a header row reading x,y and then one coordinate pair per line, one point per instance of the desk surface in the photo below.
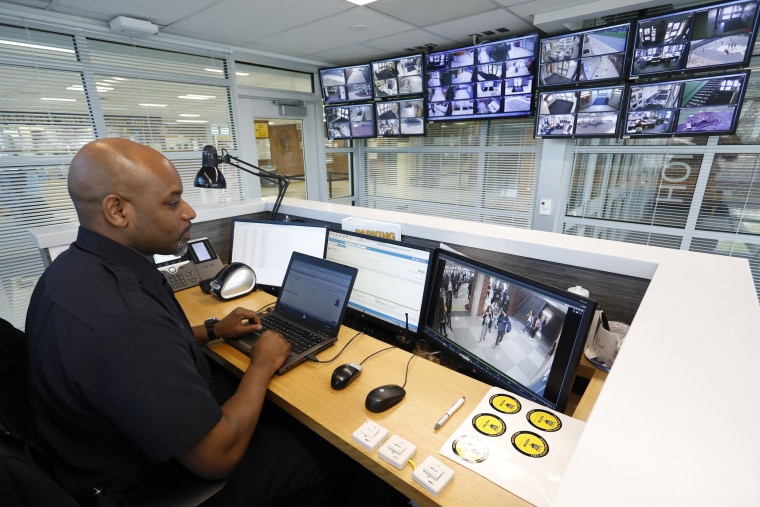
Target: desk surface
x,y
305,393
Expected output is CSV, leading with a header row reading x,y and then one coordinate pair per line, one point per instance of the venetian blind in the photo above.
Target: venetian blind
x,y
479,171
59,91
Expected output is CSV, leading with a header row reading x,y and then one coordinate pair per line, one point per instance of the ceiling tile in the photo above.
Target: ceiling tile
x,y
461,29
431,12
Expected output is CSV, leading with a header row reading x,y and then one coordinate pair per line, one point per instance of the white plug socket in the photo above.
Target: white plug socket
x,y
397,451
370,435
432,475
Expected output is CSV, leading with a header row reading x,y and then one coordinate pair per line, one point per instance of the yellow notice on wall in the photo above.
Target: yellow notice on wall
x,y
261,129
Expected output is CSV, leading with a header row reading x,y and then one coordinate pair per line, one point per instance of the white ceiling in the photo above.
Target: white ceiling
x,y
338,32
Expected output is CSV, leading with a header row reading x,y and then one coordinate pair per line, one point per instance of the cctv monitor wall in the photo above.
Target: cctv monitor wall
x,y
584,57
399,77
720,36
398,118
689,107
350,121
493,80
346,84
586,112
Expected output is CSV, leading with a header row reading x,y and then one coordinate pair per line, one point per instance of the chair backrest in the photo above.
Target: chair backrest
x,y
22,481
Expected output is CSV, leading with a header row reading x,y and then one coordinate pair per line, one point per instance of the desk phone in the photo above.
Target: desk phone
x,y
199,263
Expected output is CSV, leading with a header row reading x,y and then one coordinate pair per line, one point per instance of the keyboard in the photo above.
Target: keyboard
x,y
300,338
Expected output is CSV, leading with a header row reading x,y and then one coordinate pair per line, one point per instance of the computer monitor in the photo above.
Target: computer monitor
x,y
391,286
536,335
703,106
580,112
266,246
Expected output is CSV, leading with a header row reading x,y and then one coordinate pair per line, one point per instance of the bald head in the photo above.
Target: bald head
x,y
120,189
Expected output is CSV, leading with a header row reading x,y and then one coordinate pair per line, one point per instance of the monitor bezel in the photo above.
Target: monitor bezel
x,y
630,114
472,84
357,319
577,81
688,42
569,349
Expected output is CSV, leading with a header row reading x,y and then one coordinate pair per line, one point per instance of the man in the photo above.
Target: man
x,y
121,391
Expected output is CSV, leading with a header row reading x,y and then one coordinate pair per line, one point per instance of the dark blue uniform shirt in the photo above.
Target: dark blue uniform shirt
x,y
120,387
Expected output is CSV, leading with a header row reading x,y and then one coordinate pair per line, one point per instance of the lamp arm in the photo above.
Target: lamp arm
x,y
282,181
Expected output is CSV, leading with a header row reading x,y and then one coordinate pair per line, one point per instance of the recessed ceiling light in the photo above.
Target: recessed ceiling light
x,y
360,2
359,28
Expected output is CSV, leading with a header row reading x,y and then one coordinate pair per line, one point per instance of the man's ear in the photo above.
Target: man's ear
x,y
113,210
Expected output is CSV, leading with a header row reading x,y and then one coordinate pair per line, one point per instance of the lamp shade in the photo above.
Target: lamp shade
x,y
210,177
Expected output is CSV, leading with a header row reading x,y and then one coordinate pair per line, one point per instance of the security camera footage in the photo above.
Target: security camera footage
x,y
708,106
350,121
346,84
400,118
589,112
517,333
398,77
588,56
493,80
720,36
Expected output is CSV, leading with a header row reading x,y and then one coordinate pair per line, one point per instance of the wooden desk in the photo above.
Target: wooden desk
x,y
305,393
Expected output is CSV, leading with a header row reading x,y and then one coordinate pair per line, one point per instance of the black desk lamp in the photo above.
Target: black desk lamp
x,y
210,176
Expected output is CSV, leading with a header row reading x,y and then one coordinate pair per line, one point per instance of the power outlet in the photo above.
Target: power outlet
x,y
397,451
370,435
432,475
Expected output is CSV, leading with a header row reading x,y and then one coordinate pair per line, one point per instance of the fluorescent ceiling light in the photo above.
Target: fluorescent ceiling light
x,y
188,115
360,2
53,99
35,46
152,105
191,121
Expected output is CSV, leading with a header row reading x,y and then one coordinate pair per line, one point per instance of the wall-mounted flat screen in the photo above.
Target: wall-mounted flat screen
x,y
492,80
689,107
346,84
400,118
399,77
718,36
350,121
588,56
508,330
586,112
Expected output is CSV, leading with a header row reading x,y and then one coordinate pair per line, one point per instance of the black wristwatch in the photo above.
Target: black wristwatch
x,y
209,323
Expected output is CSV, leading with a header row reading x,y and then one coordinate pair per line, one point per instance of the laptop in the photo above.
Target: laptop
x,y
309,309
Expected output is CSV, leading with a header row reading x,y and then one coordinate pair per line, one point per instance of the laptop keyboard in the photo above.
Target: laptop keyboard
x,y
300,339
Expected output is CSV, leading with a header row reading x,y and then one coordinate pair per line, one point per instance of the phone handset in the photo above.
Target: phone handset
x,y
200,263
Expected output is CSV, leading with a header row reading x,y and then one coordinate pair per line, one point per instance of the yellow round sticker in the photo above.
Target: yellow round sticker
x,y
470,448
489,425
544,420
530,444
505,404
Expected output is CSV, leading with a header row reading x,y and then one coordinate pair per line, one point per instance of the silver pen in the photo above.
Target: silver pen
x,y
449,413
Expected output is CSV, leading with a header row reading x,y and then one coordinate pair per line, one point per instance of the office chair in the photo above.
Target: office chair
x,y
23,478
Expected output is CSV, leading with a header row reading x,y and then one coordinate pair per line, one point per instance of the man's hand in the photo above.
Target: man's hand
x,y
238,322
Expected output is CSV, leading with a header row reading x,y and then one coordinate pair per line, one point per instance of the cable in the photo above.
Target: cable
x,y
313,358
406,375
374,353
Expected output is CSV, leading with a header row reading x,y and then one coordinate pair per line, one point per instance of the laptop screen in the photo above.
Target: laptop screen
x,y
315,291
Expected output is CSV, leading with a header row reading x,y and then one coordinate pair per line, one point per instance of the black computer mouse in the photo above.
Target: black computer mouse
x,y
344,375
384,397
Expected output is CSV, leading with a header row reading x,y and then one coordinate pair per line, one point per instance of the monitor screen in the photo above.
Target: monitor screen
x,y
266,246
688,107
510,331
718,36
392,282
586,112
492,80
351,121
587,56
398,77
346,84
400,118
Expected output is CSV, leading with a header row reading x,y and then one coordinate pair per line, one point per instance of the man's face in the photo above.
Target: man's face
x,y
160,222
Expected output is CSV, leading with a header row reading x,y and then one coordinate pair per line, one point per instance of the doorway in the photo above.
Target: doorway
x,y
280,148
